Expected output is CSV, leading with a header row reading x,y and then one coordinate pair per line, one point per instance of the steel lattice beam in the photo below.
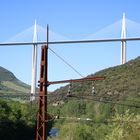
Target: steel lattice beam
x,y
41,132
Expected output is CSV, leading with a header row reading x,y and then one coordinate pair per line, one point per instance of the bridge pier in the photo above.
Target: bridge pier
x,y
123,43
34,65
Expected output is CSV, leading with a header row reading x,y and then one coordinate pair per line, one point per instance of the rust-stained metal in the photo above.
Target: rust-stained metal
x,y
41,132
42,116
76,80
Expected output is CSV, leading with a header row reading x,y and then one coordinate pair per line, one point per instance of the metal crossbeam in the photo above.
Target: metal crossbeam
x,y
76,80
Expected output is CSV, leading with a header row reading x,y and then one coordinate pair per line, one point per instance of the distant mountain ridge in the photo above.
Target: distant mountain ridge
x,y
10,84
6,75
120,81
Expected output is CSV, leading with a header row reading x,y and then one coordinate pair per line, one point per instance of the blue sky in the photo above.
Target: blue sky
x,y
72,20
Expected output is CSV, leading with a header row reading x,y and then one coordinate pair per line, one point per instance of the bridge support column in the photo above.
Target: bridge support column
x,y
34,65
123,43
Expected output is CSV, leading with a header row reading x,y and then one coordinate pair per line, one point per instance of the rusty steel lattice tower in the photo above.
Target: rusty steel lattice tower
x,y
42,115
41,132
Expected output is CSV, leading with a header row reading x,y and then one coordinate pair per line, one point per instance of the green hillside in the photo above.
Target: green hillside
x,y
6,75
111,113
120,82
11,87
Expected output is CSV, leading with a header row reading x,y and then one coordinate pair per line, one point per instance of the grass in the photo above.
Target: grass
x,y
15,86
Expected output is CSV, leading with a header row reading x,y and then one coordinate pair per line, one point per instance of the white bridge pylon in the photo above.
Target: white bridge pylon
x,y
56,36
123,43
34,64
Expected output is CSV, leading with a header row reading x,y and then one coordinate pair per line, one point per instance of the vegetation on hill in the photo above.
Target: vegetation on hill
x,y
112,112
120,83
114,107
17,120
6,75
11,87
